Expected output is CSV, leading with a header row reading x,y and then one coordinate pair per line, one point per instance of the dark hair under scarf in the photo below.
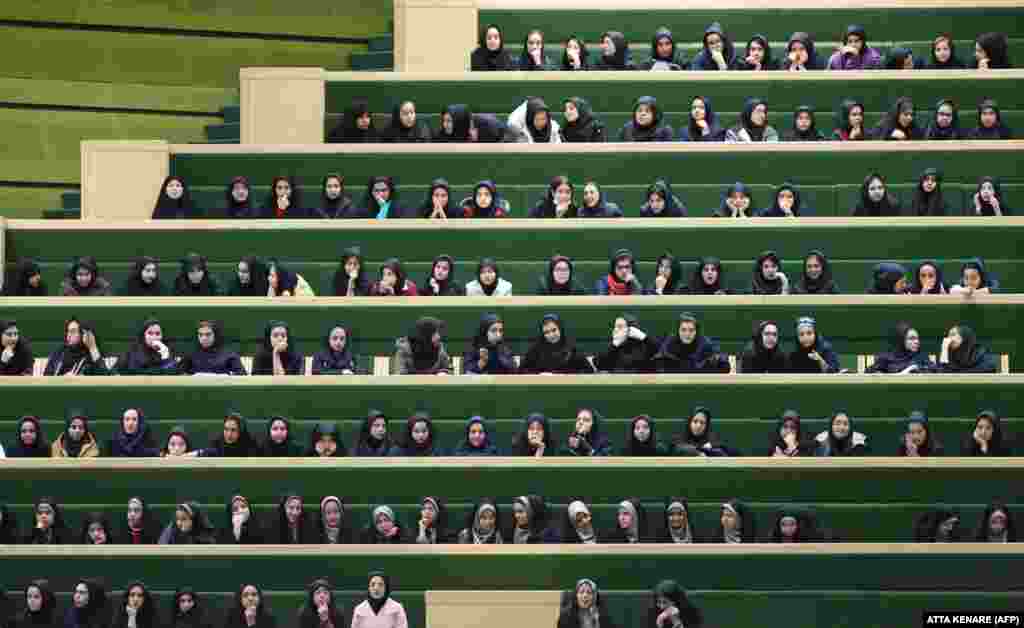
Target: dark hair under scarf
x,y
167,207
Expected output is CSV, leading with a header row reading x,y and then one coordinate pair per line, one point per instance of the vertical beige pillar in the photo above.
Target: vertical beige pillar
x,y
492,609
282,105
121,180
434,35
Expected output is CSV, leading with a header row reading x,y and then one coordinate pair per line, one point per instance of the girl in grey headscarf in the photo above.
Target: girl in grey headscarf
x,y
482,527
579,524
678,526
584,608
383,528
630,523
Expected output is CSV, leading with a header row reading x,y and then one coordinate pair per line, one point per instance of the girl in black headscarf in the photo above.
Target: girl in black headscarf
x,y
279,442
405,128
241,526
805,127
944,54
194,279
788,203
707,278
764,354
15,350
703,125
278,355
753,125
133,438
588,437
946,123
533,58
812,353
336,357
379,608
642,438
817,276
234,441
661,202
320,609
796,525
758,56
27,280
83,280
96,530
488,282
144,280
788,438
284,200
840,439
333,524
737,202
736,524
988,200
392,281
698,439
482,525
356,125
29,440
80,354
139,527
987,437
238,197
291,525
899,123
718,52
9,534
974,279
686,350
615,55
40,607
557,202
961,353
535,439
174,200
420,438
574,55
438,203
350,278
631,349
889,278
553,351
990,123
768,277
928,197
334,202
187,611
89,607
991,52
491,55
801,54
374,440
595,205
664,56
137,608
190,527
48,527
670,608
441,281
178,444
249,610
77,441
485,202
997,525
457,124
579,123
530,521
149,354
490,354
250,278
902,58
875,198
850,122
928,279
422,352
918,441
630,523
585,606
678,525
646,123
906,355
668,277
941,525
210,356
559,279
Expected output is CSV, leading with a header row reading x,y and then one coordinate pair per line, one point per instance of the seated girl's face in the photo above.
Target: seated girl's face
x,y
988,117
803,121
943,51
740,200
644,115
972,278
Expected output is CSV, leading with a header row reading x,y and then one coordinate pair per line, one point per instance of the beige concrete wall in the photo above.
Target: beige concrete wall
x,y
282,105
492,609
121,180
434,35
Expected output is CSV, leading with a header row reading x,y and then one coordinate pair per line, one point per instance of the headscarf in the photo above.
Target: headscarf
x,y
333,208
411,447
843,119
235,209
620,60
135,286
89,263
25,270
587,127
891,122
676,279
887,206
824,284
953,63
556,357
427,207
424,353
257,286
996,48
496,209
969,351
139,444
71,446
885,277
533,107
673,504
376,605
488,262
978,264
45,615
348,131
567,62
761,285
398,132
90,614
167,207
184,286
917,286
286,448
479,535
647,448
22,360
697,285
548,284
295,208
335,534
929,204
362,287
952,132
812,134
585,535
812,55
488,59
997,132
373,208
986,207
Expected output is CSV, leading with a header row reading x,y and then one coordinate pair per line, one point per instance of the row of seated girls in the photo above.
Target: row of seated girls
x,y
629,348
532,122
536,438
719,53
382,200
294,522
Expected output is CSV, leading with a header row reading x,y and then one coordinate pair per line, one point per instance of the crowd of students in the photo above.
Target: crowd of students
x,y
630,349
382,201
92,607
719,53
292,523
135,438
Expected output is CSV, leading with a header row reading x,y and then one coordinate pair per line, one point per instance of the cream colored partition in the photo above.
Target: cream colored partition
x,y
121,180
492,609
434,35
282,105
